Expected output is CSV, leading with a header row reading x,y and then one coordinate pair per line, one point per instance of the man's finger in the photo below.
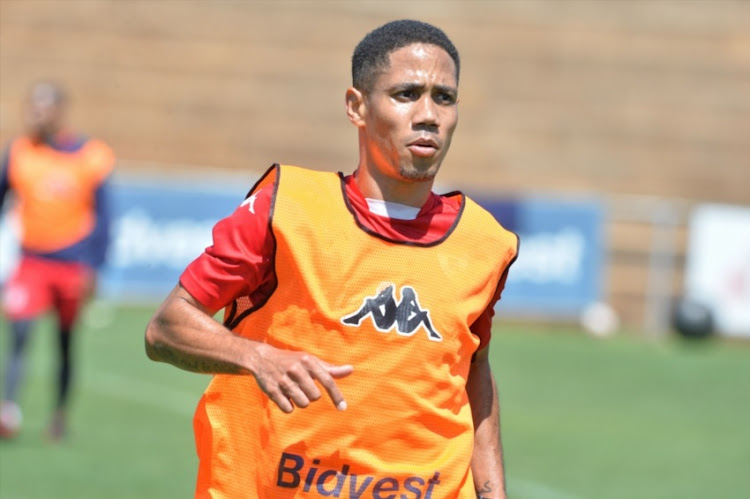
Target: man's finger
x,y
281,400
309,388
338,371
325,379
292,390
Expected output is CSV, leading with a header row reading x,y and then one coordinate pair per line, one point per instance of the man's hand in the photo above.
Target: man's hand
x,y
288,378
184,333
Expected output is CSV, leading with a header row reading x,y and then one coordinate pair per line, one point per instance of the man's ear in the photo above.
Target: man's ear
x,y
356,106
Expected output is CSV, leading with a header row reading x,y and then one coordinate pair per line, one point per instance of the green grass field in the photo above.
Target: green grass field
x,y
581,418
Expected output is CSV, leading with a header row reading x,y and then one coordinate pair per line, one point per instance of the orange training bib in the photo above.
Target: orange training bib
x,y
400,314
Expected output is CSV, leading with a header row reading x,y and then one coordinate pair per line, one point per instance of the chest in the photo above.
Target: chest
x,y
46,174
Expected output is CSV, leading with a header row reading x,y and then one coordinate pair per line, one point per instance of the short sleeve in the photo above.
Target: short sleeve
x,y
240,259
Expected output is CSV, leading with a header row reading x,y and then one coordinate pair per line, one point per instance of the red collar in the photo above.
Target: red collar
x,y
434,220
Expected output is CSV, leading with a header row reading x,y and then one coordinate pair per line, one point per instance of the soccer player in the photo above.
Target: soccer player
x,y
59,182
368,288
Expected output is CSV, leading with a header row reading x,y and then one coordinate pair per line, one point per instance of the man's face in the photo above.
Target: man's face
x,y
411,113
43,112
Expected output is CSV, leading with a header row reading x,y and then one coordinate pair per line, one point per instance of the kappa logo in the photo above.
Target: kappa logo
x,y
250,203
406,315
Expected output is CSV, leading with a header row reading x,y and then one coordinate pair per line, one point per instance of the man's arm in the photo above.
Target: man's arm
x,y
183,332
100,237
4,175
487,459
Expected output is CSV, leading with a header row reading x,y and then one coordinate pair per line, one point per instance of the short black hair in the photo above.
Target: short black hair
x,y
371,54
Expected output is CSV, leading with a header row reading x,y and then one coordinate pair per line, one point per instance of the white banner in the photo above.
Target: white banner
x,y
718,265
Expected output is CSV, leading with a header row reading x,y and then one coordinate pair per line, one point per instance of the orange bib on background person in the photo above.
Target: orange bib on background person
x,y
55,191
399,313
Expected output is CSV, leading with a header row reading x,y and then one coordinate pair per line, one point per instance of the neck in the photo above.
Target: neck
x,y
44,136
374,185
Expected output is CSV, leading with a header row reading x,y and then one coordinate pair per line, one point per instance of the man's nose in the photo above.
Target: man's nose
x,y
427,112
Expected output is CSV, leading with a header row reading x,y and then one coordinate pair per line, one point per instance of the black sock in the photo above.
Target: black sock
x,y
65,369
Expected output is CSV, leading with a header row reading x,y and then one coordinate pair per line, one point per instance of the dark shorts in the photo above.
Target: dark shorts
x,y
39,285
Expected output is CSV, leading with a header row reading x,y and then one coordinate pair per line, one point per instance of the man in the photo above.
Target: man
x,y
59,182
367,285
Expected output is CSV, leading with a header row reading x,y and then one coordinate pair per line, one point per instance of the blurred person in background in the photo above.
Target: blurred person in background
x,y
367,285
58,180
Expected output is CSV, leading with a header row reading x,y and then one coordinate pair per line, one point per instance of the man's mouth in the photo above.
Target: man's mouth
x,y
424,148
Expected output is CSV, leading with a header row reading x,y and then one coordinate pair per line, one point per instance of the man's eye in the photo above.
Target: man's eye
x,y
407,94
445,99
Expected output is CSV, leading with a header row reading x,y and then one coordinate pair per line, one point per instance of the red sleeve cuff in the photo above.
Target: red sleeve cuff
x,y
191,284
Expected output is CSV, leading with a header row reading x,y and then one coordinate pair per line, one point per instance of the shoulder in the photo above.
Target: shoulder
x,y
257,202
479,212
98,156
97,147
11,152
16,144
297,174
251,218
296,182
480,219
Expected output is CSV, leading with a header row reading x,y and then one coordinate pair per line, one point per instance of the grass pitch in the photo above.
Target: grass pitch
x,y
581,418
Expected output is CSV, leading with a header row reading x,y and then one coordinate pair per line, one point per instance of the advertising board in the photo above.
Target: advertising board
x,y
161,225
560,266
717,270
